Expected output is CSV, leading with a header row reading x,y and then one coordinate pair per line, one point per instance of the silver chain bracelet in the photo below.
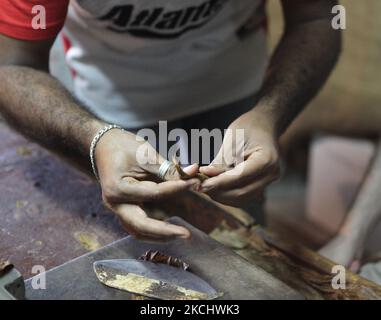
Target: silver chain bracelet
x,y
94,142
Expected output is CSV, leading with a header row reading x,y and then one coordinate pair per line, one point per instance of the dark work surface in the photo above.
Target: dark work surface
x,y
222,268
50,213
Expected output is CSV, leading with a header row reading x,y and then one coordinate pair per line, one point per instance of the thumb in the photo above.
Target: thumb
x,y
192,170
213,170
217,166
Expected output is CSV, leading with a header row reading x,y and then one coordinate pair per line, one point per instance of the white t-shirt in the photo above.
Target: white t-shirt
x,y
140,61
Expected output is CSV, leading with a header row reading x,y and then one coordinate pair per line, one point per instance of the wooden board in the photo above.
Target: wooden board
x,y
222,268
52,214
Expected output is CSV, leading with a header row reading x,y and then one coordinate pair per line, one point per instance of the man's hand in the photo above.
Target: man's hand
x,y
246,163
298,68
127,168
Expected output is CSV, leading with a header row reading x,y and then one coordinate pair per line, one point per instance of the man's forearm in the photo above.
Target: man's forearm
x,y
35,104
299,67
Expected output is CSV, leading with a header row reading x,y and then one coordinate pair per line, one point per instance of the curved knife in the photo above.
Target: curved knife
x,y
153,280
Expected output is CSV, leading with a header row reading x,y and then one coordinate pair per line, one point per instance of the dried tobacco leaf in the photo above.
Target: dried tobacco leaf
x,y
159,257
183,175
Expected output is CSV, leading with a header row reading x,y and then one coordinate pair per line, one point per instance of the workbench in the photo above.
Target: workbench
x,y
52,214
224,270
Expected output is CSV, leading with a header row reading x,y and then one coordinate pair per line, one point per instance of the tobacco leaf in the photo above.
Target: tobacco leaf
x,y
159,257
183,175
229,237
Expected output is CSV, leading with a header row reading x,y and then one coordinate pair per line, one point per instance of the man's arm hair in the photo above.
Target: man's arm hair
x,y
35,104
302,61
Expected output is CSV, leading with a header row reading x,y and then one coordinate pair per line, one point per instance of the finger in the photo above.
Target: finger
x,y
172,172
242,174
150,160
220,163
192,170
213,170
132,190
138,224
238,196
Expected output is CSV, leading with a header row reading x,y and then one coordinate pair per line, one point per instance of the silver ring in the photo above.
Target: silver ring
x,y
164,169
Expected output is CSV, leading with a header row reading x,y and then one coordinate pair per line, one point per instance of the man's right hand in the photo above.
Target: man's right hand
x,y
127,168
46,112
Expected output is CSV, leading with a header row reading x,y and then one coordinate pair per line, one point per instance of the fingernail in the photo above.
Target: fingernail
x,y
201,169
190,168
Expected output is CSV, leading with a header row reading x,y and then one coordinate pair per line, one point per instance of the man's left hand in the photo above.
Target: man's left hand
x,y
246,163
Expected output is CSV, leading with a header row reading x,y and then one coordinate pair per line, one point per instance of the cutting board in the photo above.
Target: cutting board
x,y
222,268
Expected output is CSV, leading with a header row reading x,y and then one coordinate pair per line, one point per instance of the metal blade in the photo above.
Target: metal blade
x,y
154,280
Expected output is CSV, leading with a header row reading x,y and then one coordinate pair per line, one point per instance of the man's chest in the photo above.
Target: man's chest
x,y
160,18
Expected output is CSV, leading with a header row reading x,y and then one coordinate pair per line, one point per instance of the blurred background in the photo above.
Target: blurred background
x,y
329,148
